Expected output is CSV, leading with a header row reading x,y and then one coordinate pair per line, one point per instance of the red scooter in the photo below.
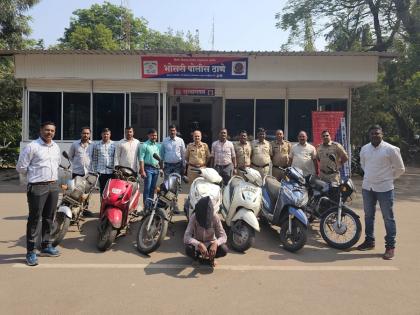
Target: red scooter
x,y
119,202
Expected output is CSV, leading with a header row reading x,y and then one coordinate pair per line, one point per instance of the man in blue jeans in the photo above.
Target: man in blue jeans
x,y
382,164
149,166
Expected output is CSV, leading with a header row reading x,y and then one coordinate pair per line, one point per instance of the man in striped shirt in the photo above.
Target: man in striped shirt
x,y
103,158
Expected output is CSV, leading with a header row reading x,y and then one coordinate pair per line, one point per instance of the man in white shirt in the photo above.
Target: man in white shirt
x,y
39,161
172,152
303,155
127,151
80,154
382,164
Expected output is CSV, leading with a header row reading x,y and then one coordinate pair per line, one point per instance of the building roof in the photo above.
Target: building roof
x,y
384,55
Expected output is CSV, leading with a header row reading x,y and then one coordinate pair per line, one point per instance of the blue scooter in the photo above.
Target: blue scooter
x,y
282,206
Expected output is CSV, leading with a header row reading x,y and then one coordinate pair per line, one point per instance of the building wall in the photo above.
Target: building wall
x,y
351,69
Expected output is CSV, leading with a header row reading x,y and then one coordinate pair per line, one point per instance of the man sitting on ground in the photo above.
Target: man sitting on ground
x,y
205,237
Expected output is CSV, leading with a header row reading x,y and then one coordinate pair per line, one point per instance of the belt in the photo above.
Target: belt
x,y
167,163
223,166
150,165
42,183
260,166
196,166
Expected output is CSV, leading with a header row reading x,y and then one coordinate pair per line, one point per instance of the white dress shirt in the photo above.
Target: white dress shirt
x,y
80,155
173,150
126,154
39,161
381,164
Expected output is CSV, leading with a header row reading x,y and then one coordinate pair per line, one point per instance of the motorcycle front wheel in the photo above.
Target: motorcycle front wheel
x,y
60,227
149,240
241,236
106,236
295,240
344,236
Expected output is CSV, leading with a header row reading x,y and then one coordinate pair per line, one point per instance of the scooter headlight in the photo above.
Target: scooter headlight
x,y
248,196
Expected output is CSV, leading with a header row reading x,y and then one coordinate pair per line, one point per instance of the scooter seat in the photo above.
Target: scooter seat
x,y
272,186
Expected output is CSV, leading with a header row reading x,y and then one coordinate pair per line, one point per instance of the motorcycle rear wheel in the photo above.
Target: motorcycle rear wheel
x,y
241,236
348,237
106,236
149,241
61,226
296,239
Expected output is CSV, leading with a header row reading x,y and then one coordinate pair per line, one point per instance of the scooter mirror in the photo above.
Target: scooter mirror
x,y
185,179
156,157
65,154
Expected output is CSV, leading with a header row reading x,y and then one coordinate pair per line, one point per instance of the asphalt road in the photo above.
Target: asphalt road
x,y
267,279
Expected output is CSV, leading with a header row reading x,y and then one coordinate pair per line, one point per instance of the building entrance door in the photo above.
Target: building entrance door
x,y
195,117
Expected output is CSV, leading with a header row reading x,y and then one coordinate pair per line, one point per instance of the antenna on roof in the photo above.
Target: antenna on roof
x,y
212,35
126,25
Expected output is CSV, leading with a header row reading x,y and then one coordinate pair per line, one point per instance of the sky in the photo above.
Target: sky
x,y
239,25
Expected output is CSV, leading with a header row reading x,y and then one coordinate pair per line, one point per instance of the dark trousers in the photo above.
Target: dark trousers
x,y
103,178
170,168
73,175
42,203
190,251
225,171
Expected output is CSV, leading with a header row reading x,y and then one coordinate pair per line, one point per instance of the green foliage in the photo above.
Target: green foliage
x,y
112,27
13,23
14,28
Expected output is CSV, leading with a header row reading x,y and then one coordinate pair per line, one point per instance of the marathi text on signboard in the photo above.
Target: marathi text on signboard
x,y
194,91
154,67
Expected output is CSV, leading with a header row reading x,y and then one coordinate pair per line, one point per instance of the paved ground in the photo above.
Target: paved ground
x,y
267,279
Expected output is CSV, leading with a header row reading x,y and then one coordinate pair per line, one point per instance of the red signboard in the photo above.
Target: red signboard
x,y
194,91
326,121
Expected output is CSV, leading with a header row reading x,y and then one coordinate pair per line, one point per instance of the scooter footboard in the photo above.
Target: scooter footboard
x,y
114,216
299,214
248,216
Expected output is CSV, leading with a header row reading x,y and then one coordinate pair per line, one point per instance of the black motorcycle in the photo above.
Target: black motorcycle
x,y
340,226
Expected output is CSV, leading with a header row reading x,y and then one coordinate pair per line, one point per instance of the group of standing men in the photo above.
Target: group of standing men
x,y
40,160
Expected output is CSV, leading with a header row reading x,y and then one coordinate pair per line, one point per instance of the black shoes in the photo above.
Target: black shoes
x,y
366,245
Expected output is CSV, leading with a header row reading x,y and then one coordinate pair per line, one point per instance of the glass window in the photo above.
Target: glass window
x,y
76,114
300,118
144,113
239,115
44,106
270,116
333,105
108,112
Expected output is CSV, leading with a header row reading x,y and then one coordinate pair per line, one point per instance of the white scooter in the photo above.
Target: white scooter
x,y
241,205
208,184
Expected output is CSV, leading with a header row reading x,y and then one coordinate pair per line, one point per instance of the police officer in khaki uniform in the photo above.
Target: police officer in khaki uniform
x,y
329,170
261,153
197,155
243,150
281,150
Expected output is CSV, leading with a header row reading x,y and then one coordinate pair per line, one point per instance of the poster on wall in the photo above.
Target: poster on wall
x,y
232,68
335,123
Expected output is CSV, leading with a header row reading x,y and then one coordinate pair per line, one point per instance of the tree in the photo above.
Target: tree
x,y
112,27
14,28
361,25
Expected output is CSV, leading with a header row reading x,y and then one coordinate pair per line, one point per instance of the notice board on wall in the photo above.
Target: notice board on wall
x,y
335,123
